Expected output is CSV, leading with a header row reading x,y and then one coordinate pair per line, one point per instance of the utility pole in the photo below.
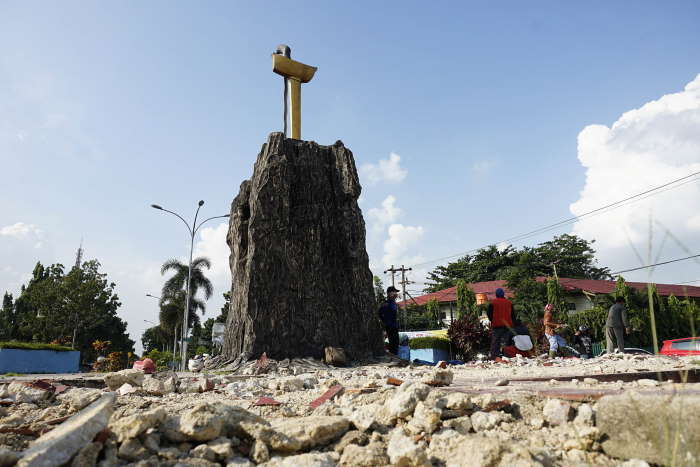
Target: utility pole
x,y
403,283
393,271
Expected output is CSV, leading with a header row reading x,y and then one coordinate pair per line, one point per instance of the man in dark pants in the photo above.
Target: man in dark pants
x,y
387,313
616,326
500,314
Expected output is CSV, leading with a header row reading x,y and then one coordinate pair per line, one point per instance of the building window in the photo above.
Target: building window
x,y
570,306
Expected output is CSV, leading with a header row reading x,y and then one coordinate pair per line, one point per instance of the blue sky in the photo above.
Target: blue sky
x,y
107,107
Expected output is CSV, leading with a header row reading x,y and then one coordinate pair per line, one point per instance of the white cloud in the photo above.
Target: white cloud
x,y
20,230
386,170
387,214
212,244
644,148
399,248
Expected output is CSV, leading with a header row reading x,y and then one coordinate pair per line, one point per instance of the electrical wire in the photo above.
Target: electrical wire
x,y
656,264
603,209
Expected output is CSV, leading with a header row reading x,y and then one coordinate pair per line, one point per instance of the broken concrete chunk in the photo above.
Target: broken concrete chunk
x,y
402,451
336,356
438,377
154,386
58,446
312,459
259,452
556,412
87,456
368,456
461,425
458,401
239,462
405,399
426,419
132,450
201,423
584,415
315,431
79,398
455,450
115,380
134,425
482,421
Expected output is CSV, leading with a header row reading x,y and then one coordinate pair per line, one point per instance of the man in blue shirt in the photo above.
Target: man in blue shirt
x,y
387,313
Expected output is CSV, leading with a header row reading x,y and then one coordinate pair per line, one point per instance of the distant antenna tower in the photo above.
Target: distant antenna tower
x,y
79,255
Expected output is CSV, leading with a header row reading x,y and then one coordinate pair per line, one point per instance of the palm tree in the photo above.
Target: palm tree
x,y
178,282
173,295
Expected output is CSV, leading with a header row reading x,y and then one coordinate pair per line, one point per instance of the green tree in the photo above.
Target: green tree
x,y
154,338
379,294
75,308
433,310
466,299
574,256
177,283
7,317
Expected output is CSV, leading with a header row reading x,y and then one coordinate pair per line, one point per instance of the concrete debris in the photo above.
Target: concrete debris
x,y
59,445
299,413
115,380
556,412
335,356
79,398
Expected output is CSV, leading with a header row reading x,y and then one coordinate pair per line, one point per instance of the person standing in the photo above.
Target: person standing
x,y
387,313
616,325
550,331
500,314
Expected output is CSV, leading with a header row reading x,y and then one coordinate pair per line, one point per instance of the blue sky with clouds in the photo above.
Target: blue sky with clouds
x,y
470,122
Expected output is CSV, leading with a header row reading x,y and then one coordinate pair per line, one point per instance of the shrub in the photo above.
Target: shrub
x,y
161,359
429,343
34,346
469,336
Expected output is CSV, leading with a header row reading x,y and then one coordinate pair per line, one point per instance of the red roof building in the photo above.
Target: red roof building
x,y
577,289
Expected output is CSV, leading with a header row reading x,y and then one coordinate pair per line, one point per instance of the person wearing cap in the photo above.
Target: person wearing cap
x,y
387,313
500,314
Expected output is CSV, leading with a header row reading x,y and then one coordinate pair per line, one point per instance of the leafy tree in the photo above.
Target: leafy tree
x,y
154,338
433,310
555,296
379,294
574,256
7,317
79,308
178,282
466,299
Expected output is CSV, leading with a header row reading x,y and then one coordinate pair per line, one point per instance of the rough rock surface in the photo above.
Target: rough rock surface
x,y
655,428
301,277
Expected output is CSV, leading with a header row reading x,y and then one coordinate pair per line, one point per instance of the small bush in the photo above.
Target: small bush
x,y
469,336
34,346
161,359
429,343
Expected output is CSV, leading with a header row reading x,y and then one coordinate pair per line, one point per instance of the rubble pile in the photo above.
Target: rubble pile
x,y
359,416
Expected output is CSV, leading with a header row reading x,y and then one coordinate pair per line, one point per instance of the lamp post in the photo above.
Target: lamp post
x,y
193,232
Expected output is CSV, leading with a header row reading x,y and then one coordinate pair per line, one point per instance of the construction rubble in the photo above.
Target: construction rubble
x,y
519,412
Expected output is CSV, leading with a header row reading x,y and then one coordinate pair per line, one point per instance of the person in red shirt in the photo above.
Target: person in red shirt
x,y
500,314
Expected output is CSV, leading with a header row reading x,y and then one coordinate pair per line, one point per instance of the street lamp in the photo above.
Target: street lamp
x,y
193,232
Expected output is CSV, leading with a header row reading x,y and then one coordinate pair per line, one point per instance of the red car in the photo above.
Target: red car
x,y
681,347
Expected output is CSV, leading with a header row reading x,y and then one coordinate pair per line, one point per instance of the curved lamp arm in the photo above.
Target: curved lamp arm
x,y
160,208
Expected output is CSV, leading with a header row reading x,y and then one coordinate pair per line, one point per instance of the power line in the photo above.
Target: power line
x,y
600,210
656,264
689,282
